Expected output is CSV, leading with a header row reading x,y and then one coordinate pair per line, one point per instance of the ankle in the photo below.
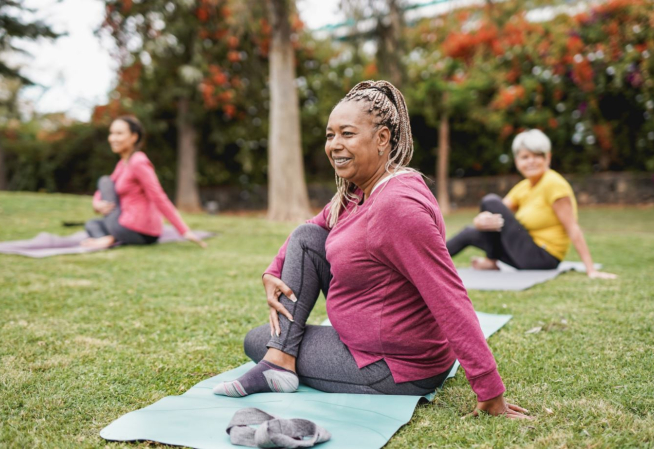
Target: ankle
x,y
280,359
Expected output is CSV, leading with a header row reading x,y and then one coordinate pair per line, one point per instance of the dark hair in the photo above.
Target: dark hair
x,y
135,126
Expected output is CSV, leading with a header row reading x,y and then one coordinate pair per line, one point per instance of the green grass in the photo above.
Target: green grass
x,y
87,338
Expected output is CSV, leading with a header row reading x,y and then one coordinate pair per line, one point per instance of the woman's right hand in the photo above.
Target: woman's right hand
x,y
488,222
191,237
103,207
594,274
274,288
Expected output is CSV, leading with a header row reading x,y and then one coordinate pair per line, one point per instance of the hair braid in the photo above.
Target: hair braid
x,y
386,104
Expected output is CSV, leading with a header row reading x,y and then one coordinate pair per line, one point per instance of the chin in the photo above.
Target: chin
x,y
344,174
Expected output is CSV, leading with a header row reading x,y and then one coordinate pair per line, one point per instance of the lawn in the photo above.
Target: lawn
x,y
87,338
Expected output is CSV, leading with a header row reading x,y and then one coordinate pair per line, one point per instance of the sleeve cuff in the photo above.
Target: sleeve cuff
x,y
272,270
487,386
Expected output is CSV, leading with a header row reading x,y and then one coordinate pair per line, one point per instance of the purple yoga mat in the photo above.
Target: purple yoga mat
x,y
46,244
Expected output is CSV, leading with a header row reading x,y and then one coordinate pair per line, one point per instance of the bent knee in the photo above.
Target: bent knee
x,y
104,181
308,232
90,226
255,342
490,201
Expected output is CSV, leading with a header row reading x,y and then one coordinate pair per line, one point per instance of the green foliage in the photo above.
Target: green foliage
x,y
88,338
66,159
586,80
13,25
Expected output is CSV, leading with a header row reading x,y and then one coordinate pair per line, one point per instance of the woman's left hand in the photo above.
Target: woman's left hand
x,y
191,237
594,274
498,406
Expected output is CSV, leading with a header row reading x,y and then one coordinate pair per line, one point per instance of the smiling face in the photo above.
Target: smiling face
x,y
121,139
532,165
353,144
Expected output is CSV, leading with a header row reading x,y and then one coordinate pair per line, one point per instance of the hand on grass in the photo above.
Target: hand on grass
x,y
499,407
103,207
274,288
191,237
485,221
594,274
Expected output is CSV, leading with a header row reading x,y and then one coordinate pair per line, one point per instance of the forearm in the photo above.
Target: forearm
x,y
579,242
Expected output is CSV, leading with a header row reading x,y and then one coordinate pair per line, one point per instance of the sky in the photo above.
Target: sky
x,y
75,72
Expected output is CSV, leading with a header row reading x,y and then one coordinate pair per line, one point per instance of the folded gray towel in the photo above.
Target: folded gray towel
x,y
273,431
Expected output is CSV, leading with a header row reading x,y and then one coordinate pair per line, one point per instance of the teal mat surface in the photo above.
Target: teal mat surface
x,y
198,418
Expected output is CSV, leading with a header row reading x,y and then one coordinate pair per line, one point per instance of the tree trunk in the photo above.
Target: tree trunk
x,y
288,199
3,170
390,50
442,179
187,197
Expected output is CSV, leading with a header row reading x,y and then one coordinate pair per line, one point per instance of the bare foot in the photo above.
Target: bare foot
x,y
484,263
99,243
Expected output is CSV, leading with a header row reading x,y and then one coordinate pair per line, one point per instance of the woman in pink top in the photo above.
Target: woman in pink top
x,y
399,311
131,199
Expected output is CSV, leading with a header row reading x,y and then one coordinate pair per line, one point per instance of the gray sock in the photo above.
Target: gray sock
x,y
273,431
265,377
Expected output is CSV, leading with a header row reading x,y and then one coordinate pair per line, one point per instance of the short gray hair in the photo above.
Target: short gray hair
x,y
533,140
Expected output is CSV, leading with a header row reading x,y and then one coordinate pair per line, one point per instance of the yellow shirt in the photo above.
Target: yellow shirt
x,y
536,214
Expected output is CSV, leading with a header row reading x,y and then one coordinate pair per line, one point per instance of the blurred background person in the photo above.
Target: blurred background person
x,y
131,200
532,227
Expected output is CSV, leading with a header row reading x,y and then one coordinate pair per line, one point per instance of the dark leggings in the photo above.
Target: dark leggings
x,y
323,361
512,245
109,225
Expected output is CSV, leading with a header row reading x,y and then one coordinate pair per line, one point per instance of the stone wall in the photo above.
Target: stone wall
x,y
598,188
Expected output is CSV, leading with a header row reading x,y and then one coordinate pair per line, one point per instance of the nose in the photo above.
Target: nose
x,y
335,144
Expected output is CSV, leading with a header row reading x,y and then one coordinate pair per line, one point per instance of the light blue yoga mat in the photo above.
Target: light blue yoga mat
x,y
198,418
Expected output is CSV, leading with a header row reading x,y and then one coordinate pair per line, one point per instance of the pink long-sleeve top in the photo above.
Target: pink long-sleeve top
x,y
395,294
142,199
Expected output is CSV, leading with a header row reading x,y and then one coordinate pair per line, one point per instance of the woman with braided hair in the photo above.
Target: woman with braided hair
x,y
399,311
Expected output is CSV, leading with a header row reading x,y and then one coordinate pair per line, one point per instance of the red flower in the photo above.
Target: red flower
x,y
553,123
202,14
604,136
233,56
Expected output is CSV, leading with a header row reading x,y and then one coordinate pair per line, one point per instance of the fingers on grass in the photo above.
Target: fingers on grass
x,y
517,415
472,414
517,408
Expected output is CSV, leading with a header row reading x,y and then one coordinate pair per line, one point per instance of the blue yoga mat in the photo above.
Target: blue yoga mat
x,y
198,418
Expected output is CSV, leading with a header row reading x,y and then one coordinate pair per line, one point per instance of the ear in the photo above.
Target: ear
x,y
133,138
383,138
548,158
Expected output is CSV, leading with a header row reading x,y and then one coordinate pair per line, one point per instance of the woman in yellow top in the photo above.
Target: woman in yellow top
x,y
538,236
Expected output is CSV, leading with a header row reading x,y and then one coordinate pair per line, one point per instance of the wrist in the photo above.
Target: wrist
x,y
494,406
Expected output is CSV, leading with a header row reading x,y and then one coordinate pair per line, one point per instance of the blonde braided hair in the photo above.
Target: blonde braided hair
x,y
388,107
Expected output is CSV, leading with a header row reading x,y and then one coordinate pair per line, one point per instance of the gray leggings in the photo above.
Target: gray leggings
x,y
323,361
512,245
109,225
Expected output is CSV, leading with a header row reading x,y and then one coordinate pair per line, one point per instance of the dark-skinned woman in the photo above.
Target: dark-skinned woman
x,y
399,311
